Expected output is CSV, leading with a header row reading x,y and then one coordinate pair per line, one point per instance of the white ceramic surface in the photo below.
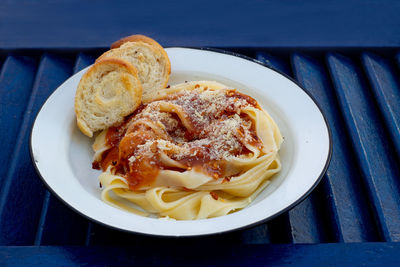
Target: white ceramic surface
x,y
63,155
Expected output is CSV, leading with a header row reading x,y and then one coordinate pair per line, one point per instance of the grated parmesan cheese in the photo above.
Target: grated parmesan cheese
x,y
132,159
215,115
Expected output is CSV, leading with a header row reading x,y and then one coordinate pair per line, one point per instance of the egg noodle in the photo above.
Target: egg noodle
x,y
192,151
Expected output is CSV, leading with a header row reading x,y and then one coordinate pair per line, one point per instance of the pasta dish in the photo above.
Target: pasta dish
x,y
195,150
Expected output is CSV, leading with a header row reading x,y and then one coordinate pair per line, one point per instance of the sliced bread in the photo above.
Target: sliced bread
x,y
107,92
147,56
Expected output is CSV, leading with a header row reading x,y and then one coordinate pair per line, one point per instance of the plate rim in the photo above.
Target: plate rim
x,y
220,51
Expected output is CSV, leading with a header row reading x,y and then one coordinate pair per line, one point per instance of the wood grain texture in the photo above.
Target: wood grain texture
x,y
354,254
385,87
370,142
303,223
279,24
22,191
352,203
52,228
342,187
16,80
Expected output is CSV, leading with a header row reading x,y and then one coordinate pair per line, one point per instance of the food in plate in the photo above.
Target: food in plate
x,y
107,92
147,56
192,151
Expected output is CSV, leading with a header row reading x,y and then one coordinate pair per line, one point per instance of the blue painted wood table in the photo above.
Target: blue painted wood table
x,y
345,54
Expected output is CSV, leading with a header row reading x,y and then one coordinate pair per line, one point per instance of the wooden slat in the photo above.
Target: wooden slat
x,y
277,63
354,254
362,180
82,61
349,216
59,225
16,80
22,191
101,236
54,213
278,229
48,230
299,224
386,90
379,170
273,23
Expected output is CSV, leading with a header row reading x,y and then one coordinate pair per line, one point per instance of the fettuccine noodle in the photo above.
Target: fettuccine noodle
x,y
193,151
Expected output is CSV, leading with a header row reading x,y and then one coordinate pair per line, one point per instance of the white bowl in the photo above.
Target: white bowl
x,y
63,155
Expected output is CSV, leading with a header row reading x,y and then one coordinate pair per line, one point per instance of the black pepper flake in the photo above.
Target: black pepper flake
x,y
114,163
168,86
100,185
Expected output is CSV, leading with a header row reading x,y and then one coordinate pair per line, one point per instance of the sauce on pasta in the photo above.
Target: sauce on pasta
x,y
205,128
195,150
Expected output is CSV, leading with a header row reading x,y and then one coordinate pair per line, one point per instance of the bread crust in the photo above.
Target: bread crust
x,y
141,38
111,60
135,38
122,64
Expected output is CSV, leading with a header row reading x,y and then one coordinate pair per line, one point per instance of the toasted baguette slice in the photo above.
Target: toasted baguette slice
x,y
107,92
135,38
149,58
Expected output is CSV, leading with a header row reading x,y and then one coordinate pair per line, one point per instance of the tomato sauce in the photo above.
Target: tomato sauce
x,y
141,169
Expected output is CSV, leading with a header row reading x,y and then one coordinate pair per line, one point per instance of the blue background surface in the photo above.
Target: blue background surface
x,y
344,53
253,23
